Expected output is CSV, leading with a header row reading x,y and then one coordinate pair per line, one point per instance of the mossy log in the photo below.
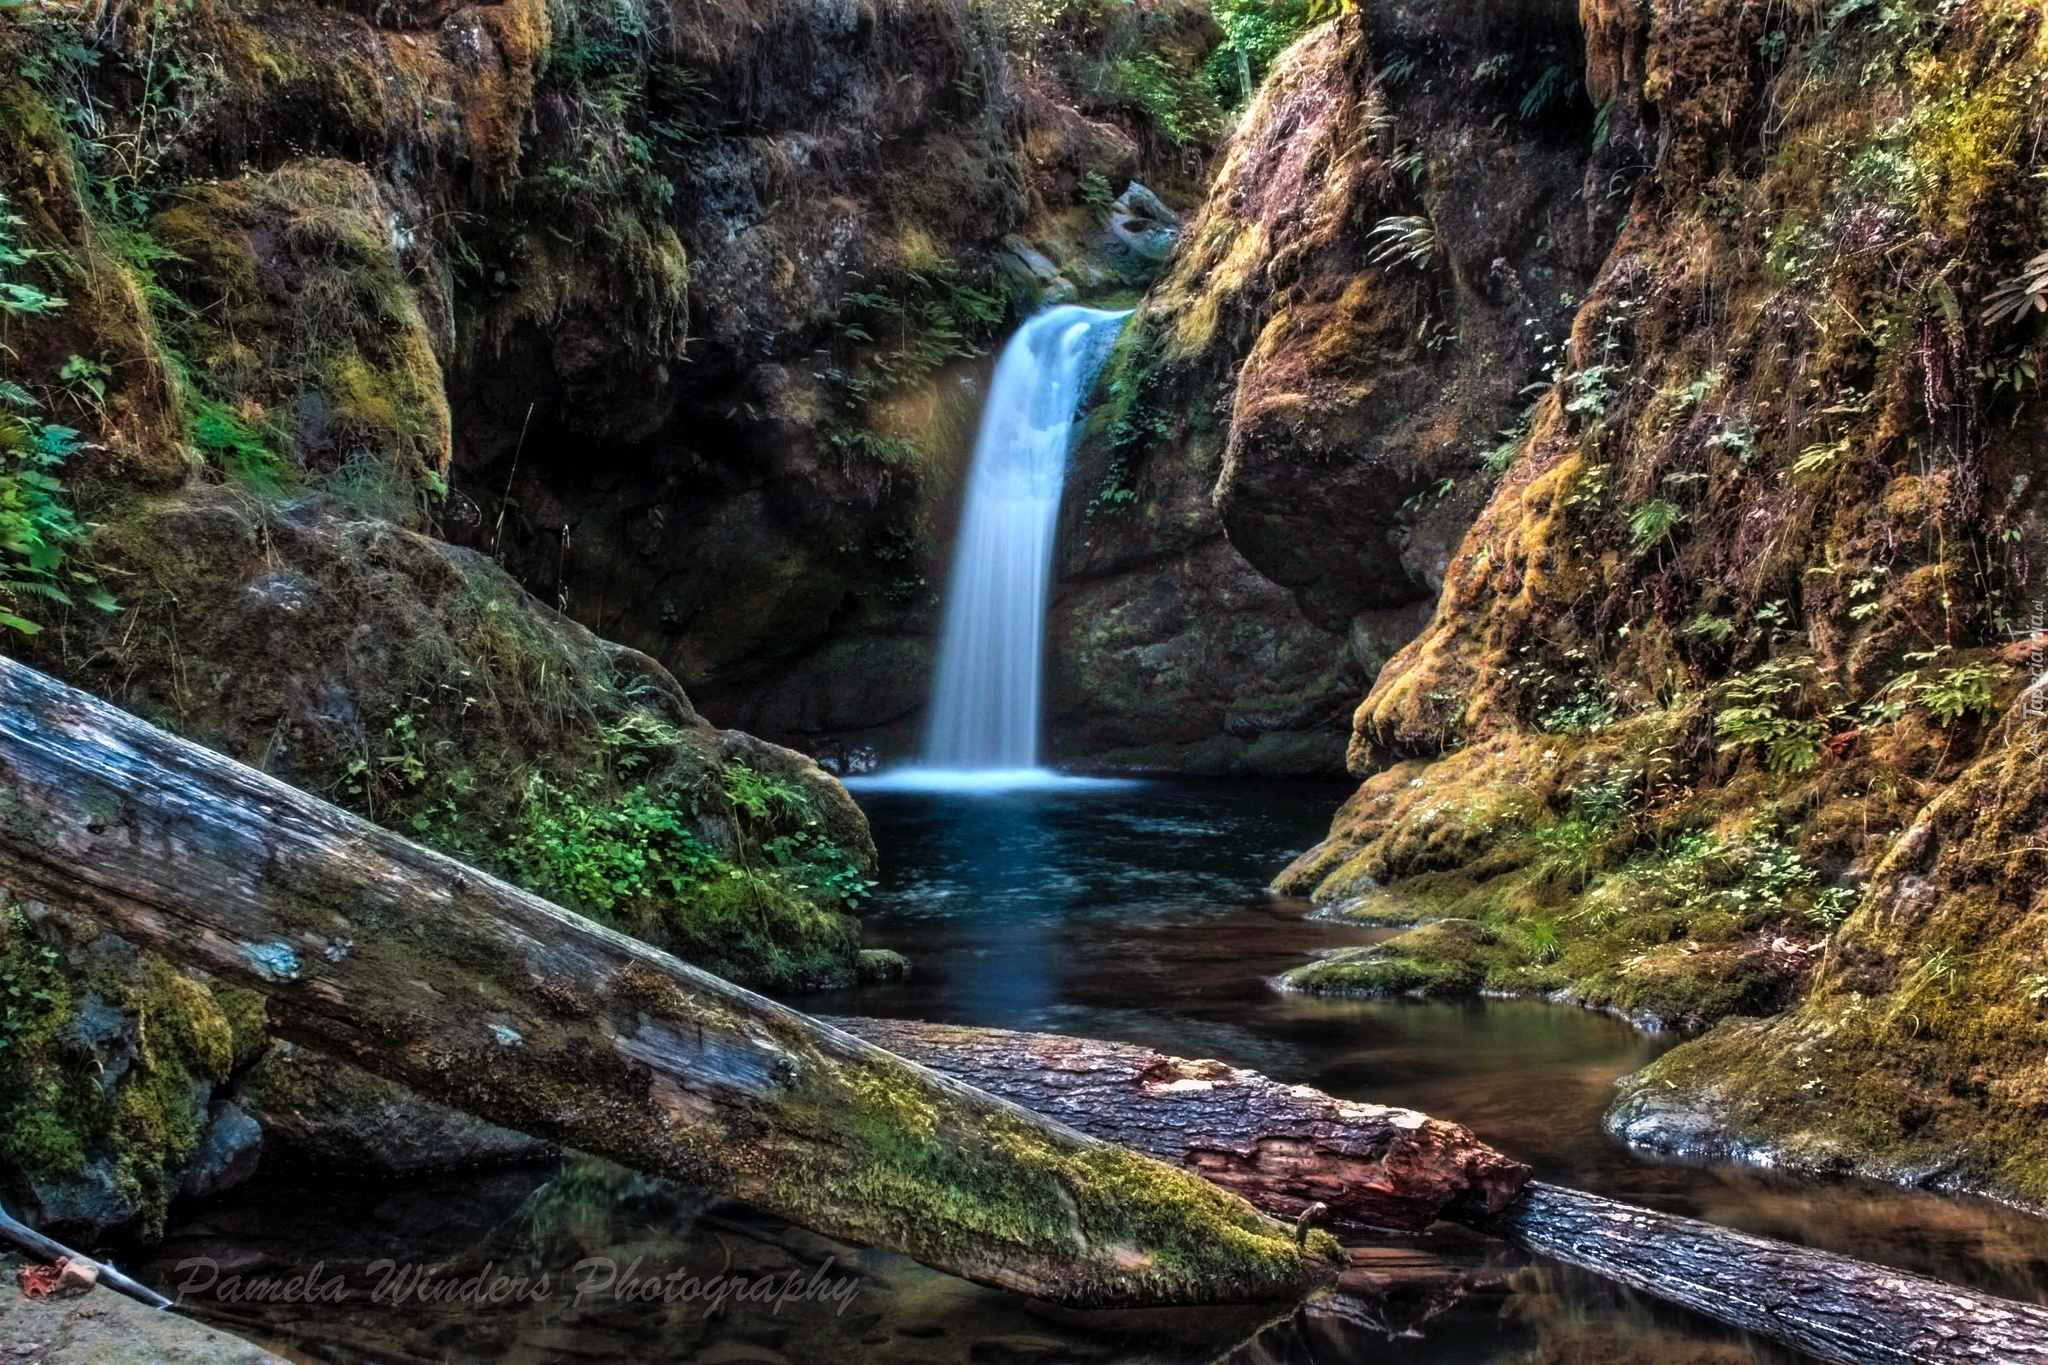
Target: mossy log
x,y
1282,1146
474,993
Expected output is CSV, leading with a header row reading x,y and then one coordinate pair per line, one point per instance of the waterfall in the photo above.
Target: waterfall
x,y
985,702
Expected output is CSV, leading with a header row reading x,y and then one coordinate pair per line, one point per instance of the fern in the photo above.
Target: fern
x,y
1410,240
18,299
1957,692
1761,715
1652,523
2024,293
1817,459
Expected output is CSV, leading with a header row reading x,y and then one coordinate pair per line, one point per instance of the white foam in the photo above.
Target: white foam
x,y
981,781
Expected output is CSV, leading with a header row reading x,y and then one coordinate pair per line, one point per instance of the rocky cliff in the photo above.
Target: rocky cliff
x,y
1729,705
1303,416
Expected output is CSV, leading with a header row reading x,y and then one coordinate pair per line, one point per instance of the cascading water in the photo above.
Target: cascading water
x,y
985,703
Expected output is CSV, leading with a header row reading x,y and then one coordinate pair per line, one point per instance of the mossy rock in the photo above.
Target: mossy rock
x,y
1449,957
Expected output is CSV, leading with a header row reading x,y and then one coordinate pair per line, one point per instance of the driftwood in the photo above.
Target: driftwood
x,y
474,993
1283,1146
47,1249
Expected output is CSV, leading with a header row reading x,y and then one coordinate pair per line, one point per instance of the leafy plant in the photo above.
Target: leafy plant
x,y
1818,458
1557,83
1957,692
1587,712
233,445
1706,626
37,529
1410,240
1589,391
1738,440
30,989
19,299
1255,32
2024,293
1831,907
1760,715
1652,524
598,855
763,797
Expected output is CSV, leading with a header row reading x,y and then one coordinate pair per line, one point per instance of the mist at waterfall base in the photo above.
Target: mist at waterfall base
x,y
983,732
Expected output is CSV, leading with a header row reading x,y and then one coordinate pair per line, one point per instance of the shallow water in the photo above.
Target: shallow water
x,y
1129,913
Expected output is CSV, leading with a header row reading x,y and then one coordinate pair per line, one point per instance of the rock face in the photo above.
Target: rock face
x,y
761,497
1719,712
1291,434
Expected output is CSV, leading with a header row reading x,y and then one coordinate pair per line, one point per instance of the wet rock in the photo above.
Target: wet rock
x,y
103,1328
1143,226
228,1154
881,965
82,1204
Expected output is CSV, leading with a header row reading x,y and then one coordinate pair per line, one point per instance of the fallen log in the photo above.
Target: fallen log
x,y
474,993
1832,1307
489,999
1282,1146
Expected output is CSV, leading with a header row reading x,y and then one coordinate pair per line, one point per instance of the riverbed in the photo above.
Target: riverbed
x,y
1134,912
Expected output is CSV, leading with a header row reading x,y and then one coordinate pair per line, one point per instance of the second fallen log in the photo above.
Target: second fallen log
x,y
1284,1147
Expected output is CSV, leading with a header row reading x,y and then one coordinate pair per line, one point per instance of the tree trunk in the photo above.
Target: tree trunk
x,y
472,992
1282,1146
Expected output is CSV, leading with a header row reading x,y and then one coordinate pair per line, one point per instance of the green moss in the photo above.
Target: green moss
x,y
1127,417
105,1063
1003,1181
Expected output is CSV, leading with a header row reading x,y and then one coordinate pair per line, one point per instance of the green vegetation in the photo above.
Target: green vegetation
x,y
104,1063
1763,712
730,867
1128,414
1255,33
37,528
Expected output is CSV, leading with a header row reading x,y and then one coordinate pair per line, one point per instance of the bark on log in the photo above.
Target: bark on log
x,y
477,994
1833,1307
1283,1147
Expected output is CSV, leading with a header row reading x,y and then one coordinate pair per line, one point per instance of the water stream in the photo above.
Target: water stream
x,y
983,731
1136,913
